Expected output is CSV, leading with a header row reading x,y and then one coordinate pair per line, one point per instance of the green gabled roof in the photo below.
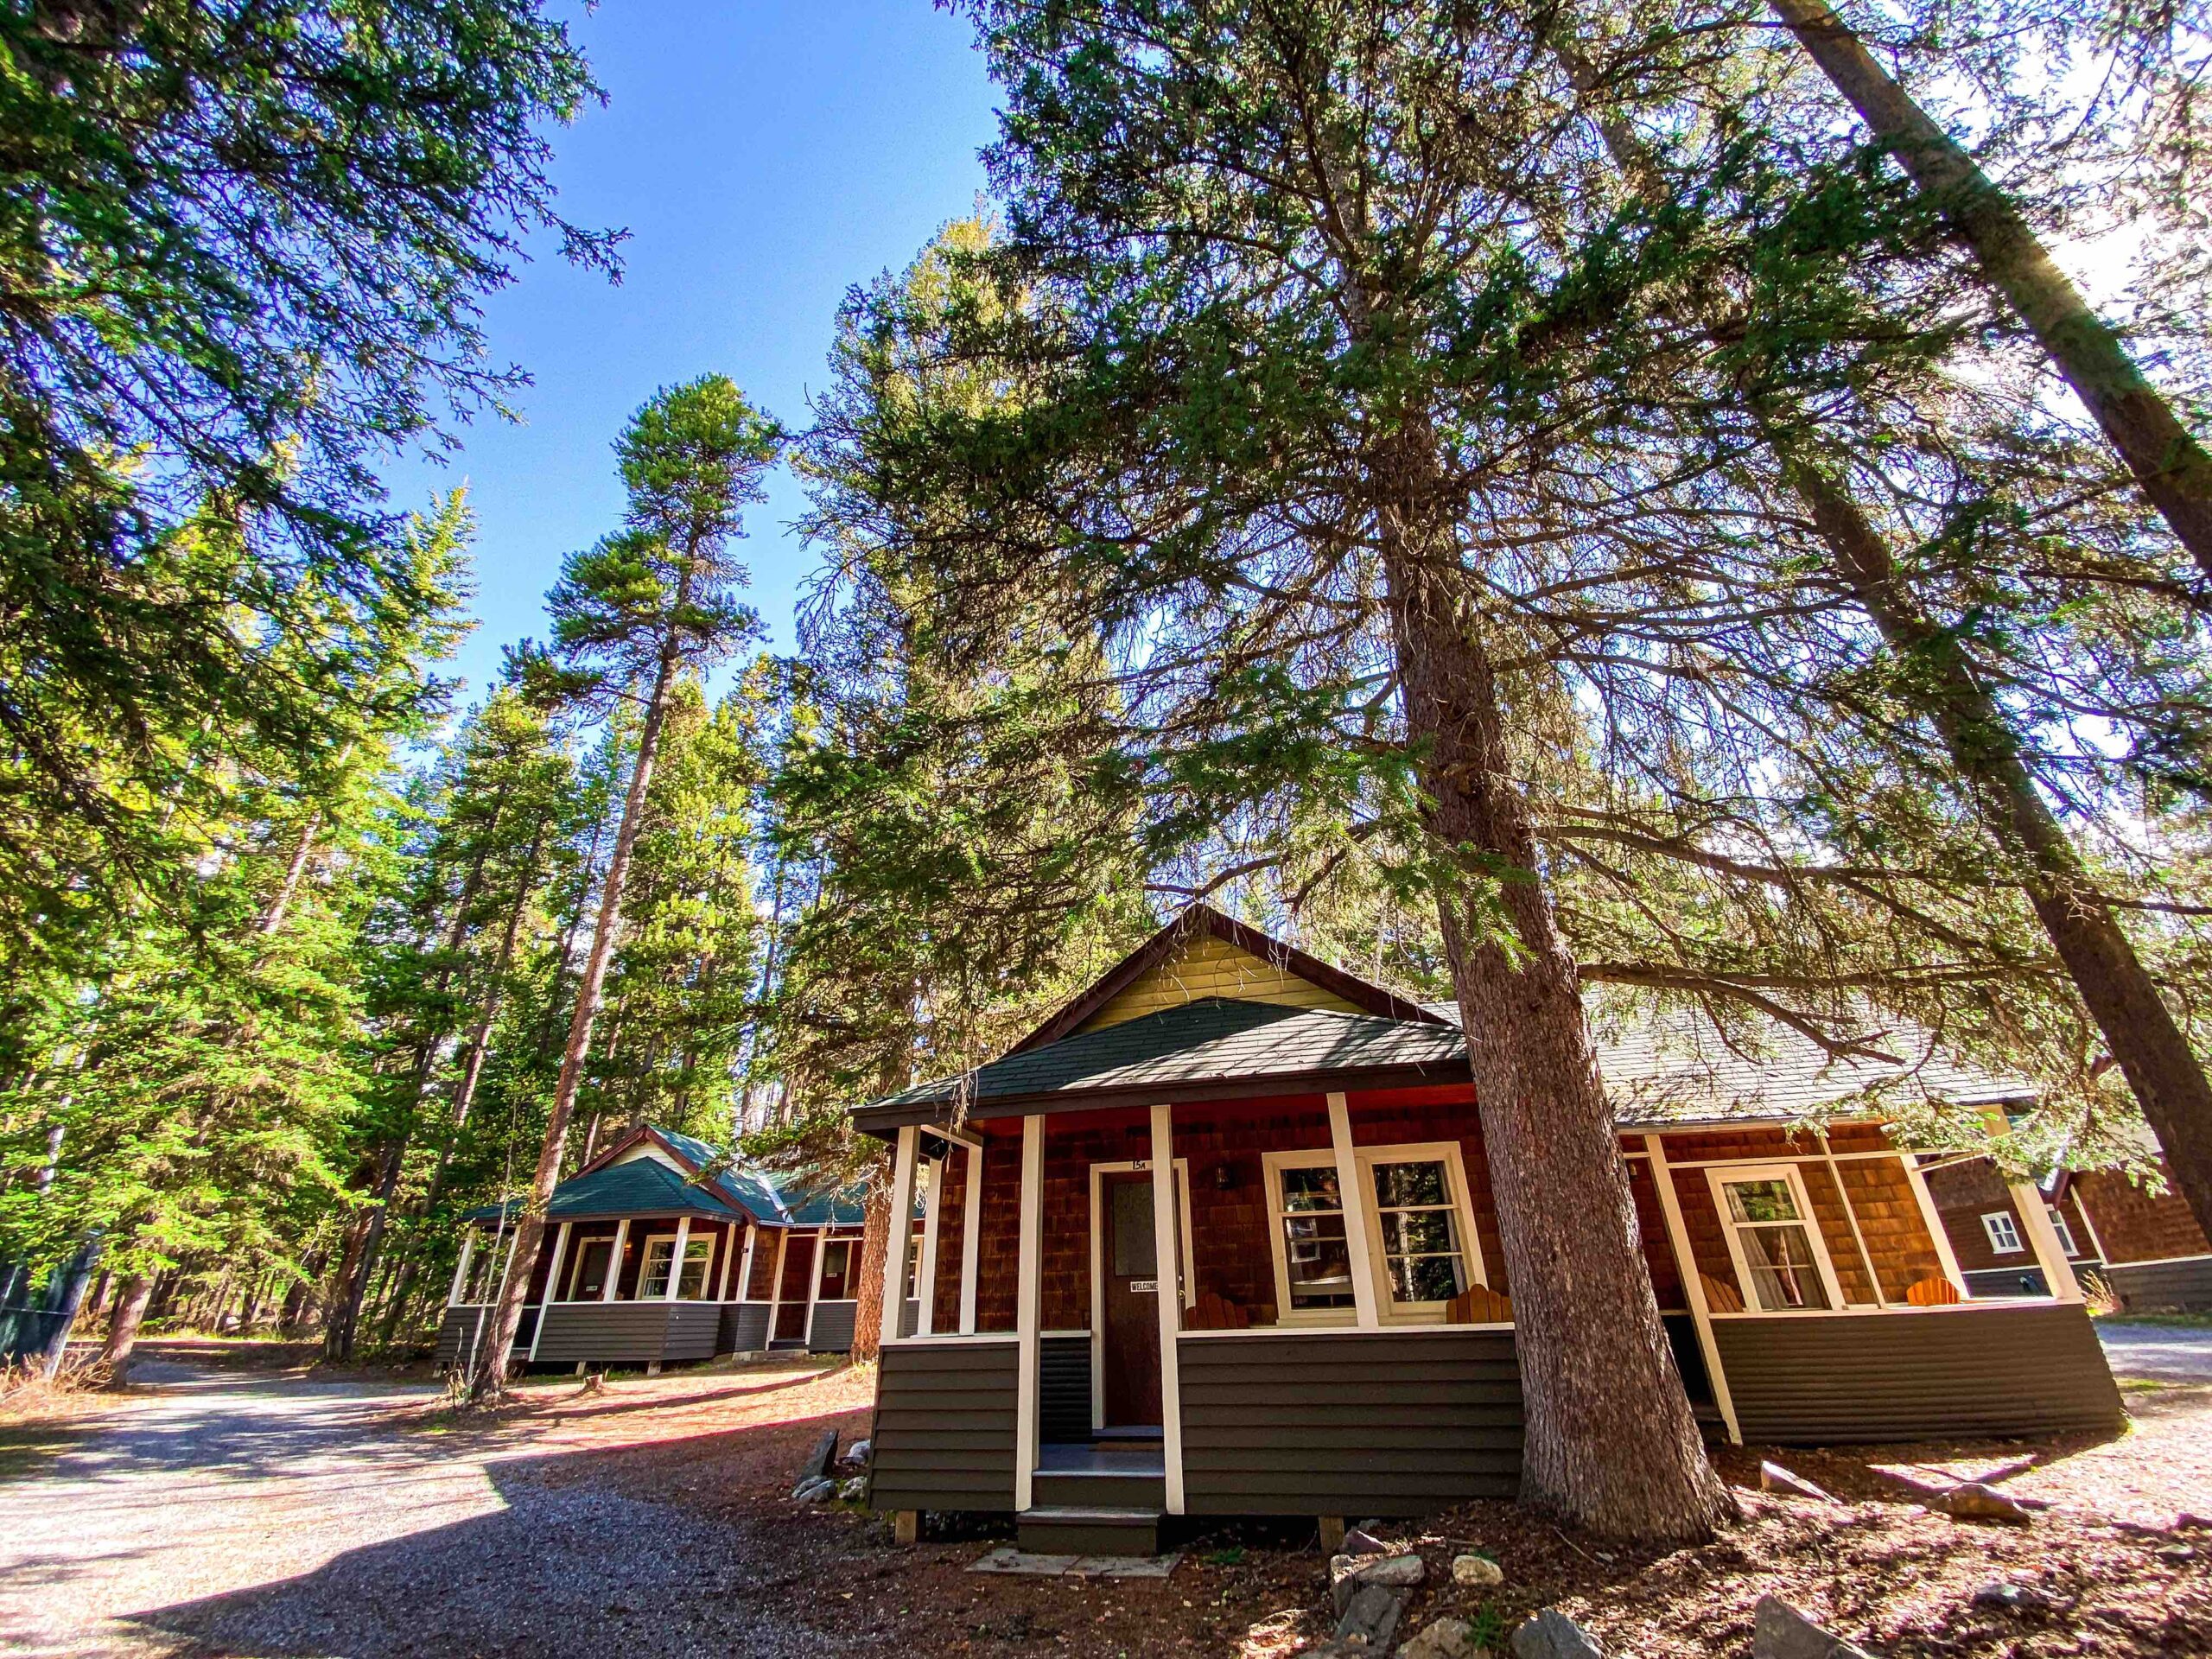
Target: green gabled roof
x,y
644,1186
1212,1044
842,1206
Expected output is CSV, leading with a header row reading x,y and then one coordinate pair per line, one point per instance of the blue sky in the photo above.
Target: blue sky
x,y
764,156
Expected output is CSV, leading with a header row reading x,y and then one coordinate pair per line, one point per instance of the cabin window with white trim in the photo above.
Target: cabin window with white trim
x,y
1313,1259
1778,1253
1419,1233
2065,1233
2004,1235
1422,1240
699,1255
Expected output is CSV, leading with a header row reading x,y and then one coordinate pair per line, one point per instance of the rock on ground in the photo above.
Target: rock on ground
x,y
1551,1635
1780,1631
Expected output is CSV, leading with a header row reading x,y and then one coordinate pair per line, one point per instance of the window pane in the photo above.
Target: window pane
x,y
1782,1273
654,1281
696,1252
1405,1183
1761,1201
1135,1254
1319,1261
1427,1278
1313,1188
1419,1232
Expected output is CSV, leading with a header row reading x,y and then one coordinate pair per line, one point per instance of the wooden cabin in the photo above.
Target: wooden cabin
x,y
1219,1239
648,1259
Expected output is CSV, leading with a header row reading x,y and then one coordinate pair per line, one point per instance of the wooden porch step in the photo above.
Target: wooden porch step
x,y
1100,1488
1067,1530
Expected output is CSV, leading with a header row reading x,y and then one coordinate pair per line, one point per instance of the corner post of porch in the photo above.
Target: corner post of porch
x,y
1946,1257
460,1267
971,1236
1026,1310
552,1286
744,1268
1356,1215
614,1259
1678,1239
676,1258
900,1245
926,1281
2042,1239
728,1247
1170,1268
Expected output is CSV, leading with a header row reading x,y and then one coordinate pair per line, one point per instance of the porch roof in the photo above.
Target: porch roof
x,y
644,1186
1212,1048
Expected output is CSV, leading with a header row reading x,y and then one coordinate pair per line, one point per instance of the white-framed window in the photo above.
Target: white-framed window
x,y
2004,1235
1421,1246
1781,1259
698,1256
1313,1255
2065,1233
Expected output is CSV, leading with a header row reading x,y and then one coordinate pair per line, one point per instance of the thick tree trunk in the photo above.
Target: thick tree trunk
x,y
875,1256
2139,1030
2173,468
1611,1441
123,1329
530,1226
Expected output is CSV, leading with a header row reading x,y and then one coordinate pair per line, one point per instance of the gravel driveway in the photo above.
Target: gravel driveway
x,y
259,1514
2169,1353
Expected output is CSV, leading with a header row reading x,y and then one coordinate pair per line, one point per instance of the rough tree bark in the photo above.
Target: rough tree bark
x,y
2172,467
1610,1440
875,1257
2139,1030
123,1329
529,1227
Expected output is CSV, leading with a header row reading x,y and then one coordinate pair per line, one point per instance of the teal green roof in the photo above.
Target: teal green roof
x,y
648,1186
644,1186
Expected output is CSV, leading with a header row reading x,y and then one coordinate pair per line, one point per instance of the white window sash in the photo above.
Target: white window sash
x,y
2004,1236
1388,1310
1807,1221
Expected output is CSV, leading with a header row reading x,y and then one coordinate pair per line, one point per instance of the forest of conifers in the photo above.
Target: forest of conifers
x,y
1626,506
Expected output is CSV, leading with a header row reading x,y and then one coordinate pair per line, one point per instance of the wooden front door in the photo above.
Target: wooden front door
x,y
1130,1263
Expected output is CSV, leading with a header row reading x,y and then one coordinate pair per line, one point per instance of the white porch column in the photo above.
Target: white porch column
x,y
1678,1236
460,1267
814,1280
926,1281
2042,1239
1356,1215
1851,1214
1934,1222
552,1286
971,1238
745,1272
730,1254
776,1285
1026,1310
1168,1269
899,1249
614,1259
676,1258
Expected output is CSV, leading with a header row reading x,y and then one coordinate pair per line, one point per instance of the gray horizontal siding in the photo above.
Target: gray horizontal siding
x,y
1988,1369
1386,1423
832,1332
457,1329
1063,1388
944,1430
745,1328
2146,1285
628,1333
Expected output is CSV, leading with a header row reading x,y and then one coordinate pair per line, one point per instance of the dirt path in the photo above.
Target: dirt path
x,y
251,1514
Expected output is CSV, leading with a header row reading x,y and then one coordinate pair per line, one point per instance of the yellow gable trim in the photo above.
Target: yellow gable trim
x,y
1208,966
